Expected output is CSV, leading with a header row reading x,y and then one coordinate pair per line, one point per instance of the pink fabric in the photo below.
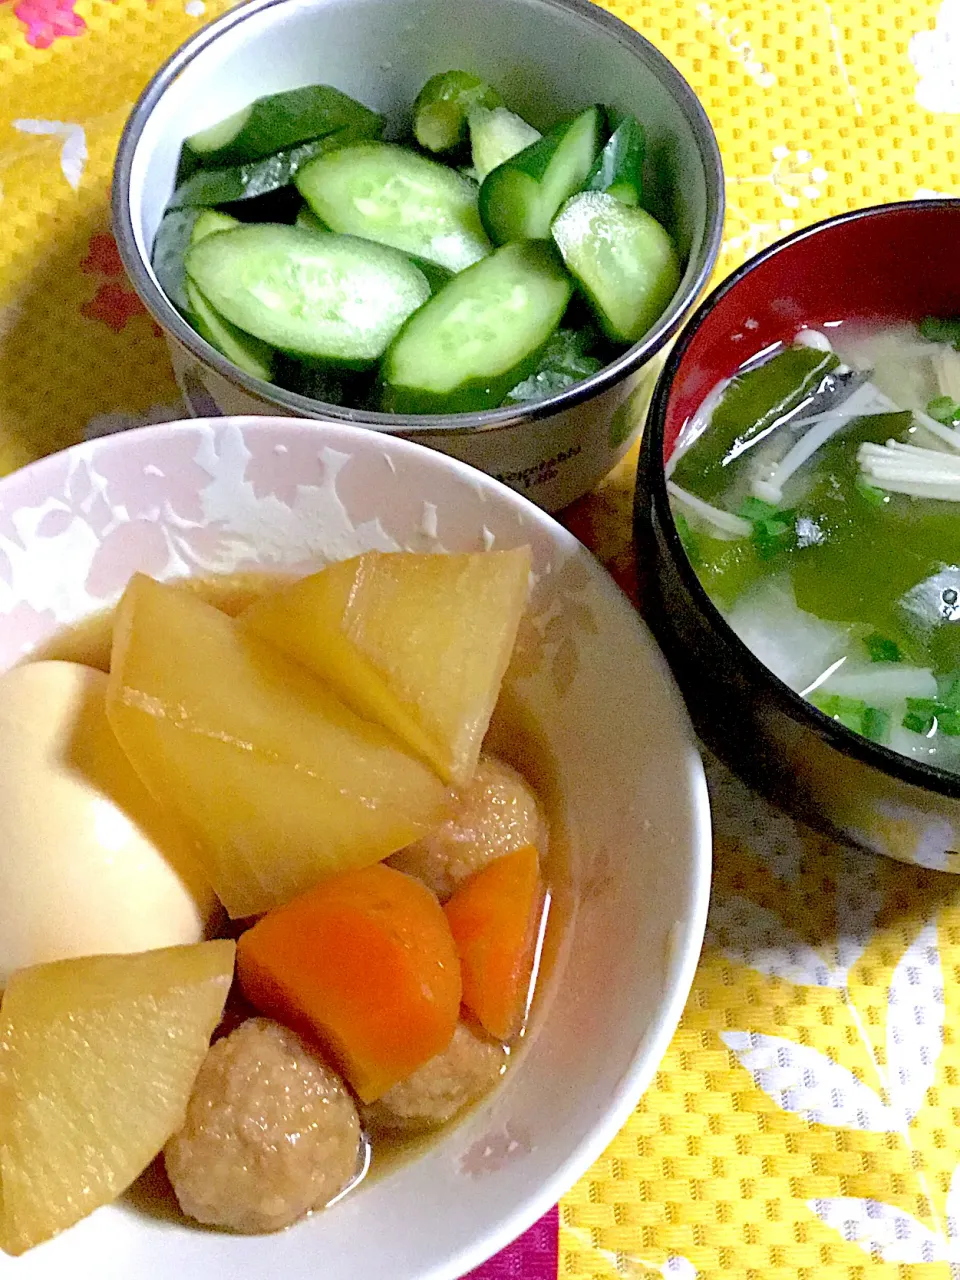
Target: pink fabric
x,y
532,1257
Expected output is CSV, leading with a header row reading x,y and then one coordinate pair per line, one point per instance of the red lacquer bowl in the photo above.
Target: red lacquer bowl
x,y
890,263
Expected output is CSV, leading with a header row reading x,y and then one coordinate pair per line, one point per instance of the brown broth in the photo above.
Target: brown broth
x,y
513,737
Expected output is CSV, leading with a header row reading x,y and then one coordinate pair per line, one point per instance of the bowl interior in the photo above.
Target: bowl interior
x,y
898,262
227,495
547,58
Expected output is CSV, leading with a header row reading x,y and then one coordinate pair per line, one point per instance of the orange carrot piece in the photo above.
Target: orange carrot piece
x,y
494,917
365,963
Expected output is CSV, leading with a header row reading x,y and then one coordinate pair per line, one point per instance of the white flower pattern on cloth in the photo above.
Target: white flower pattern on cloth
x,y
936,58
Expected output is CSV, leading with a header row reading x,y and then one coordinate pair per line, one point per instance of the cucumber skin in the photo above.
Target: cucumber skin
x,y
442,107
208,187
295,113
474,394
170,245
502,190
242,349
619,167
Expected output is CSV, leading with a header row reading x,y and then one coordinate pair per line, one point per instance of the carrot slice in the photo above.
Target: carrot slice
x,y
365,963
494,917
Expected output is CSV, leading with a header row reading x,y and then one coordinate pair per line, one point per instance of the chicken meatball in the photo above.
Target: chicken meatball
x,y
270,1133
469,1066
495,814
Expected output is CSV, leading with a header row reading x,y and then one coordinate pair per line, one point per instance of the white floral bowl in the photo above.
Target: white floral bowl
x,y
223,495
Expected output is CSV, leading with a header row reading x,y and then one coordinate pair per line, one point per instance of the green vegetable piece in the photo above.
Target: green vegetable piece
x,y
169,250
480,335
619,167
310,293
443,106
945,410
726,567
881,649
850,712
564,362
775,534
876,497
246,181
756,509
279,122
623,260
941,330
396,197
948,690
247,352
752,406
307,220
876,724
520,198
210,222
496,136
926,715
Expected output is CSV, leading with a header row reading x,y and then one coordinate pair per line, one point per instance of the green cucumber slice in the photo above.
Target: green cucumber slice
x,y
245,351
208,187
392,195
281,121
619,166
495,136
169,249
623,260
519,199
210,222
480,335
443,104
311,293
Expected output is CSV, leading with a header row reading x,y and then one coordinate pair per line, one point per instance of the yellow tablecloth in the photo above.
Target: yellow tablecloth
x,y
805,1123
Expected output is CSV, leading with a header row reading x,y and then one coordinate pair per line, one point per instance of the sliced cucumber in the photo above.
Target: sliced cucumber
x,y
210,222
495,136
619,166
311,293
622,258
519,199
480,335
398,198
247,352
281,121
169,249
307,220
246,181
443,104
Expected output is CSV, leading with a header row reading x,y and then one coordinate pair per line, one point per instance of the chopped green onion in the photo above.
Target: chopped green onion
x,y
876,497
937,330
949,690
756,509
944,409
917,723
775,534
881,649
850,712
926,714
686,536
876,724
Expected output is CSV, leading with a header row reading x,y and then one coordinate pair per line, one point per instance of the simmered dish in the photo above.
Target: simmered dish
x,y
280,832
816,494
473,264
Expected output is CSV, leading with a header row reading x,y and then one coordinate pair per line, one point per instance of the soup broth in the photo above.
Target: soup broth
x,y
817,495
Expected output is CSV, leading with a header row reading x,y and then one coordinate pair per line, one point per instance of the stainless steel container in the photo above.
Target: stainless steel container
x,y
548,58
